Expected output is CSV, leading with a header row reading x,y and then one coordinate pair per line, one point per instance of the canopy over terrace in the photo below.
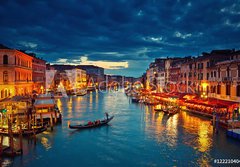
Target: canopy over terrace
x,y
223,103
213,103
173,96
44,103
45,96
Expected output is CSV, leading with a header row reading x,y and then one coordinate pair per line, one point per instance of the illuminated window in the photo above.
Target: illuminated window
x,y
5,76
219,89
238,90
228,86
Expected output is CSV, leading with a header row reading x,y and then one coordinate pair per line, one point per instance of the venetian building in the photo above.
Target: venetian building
x,y
77,78
38,74
228,73
15,73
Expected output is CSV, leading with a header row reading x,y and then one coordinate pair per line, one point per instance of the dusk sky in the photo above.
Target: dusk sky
x,y
123,36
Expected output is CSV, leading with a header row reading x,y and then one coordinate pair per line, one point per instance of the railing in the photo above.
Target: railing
x,y
236,79
15,65
214,79
227,79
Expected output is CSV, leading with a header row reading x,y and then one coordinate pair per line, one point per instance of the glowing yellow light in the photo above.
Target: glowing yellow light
x,y
204,85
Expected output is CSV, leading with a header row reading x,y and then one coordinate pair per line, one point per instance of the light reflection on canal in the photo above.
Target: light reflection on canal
x,y
137,136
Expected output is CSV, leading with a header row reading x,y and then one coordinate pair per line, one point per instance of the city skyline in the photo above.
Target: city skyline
x,y
121,36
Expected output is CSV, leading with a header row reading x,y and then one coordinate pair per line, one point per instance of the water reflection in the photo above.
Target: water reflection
x,y
45,142
201,130
197,128
172,130
195,132
137,131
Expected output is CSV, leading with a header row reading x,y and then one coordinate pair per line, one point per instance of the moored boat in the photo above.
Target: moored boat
x,y
81,93
172,112
135,100
91,88
165,110
92,125
158,109
234,133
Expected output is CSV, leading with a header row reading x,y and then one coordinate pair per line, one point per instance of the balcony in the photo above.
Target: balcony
x,y
236,79
226,79
214,79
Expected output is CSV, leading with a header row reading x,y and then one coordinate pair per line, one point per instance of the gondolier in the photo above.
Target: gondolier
x,y
106,115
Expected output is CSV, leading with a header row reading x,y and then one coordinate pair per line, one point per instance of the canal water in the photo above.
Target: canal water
x,y
137,136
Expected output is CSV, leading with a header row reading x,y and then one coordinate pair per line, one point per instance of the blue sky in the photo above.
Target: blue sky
x,y
123,36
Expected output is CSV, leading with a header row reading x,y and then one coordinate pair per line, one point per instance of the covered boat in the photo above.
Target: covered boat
x,y
81,92
93,125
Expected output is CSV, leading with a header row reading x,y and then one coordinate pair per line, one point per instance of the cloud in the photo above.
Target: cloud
x,y
234,9
107,65
230,24
29,45
62,61
119,31
183,36
83,60
153,39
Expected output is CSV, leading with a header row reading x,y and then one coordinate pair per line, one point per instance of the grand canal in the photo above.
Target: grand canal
x,y
137,136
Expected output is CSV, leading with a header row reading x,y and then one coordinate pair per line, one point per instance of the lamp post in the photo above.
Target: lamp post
x,y
41,89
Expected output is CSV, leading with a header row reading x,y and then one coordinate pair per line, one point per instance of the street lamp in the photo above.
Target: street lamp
x,y
41,89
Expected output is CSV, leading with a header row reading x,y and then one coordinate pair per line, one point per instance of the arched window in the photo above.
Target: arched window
x,y
228,89
5,59
238,90
214,89
2,93
5,93
228,71
219,89
5,76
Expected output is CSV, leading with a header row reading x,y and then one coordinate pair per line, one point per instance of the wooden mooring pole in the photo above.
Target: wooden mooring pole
x,y
10,135
41,117
21,139
55,119
1,145
51,122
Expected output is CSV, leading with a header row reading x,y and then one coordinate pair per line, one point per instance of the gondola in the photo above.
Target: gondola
x,y
86,126
158,109
173,111
25,132
81,93
165,111
135,100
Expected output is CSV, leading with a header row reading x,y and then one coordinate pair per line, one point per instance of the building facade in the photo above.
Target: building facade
x,y
15,73
211,75
77,78
95,74
38,74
